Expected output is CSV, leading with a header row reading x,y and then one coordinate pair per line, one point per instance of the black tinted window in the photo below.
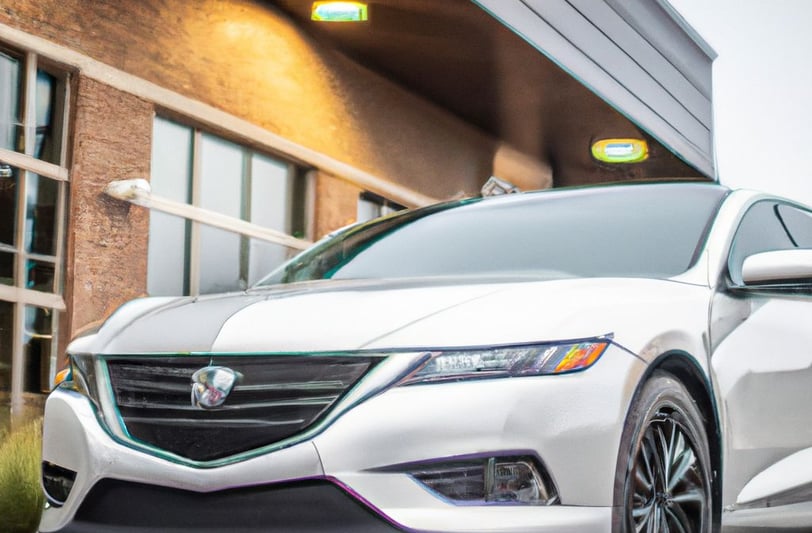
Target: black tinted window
x,y
651,230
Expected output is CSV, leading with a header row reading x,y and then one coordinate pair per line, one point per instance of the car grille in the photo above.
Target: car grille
x,y
276,397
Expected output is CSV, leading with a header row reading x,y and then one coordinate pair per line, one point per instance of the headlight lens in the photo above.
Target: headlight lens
x,y
83,377
514,361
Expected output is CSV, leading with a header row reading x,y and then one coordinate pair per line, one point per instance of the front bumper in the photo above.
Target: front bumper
x,y
334,481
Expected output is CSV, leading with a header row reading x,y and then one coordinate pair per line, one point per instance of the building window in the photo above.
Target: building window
x,y
206,171
33,189
371,206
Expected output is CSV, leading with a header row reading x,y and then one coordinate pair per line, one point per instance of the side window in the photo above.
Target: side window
x,y
760,230
799,224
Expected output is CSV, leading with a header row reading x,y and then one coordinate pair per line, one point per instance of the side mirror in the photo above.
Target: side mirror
x,y
779,266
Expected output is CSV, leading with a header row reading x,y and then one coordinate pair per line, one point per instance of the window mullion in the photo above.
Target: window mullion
x,y
38,166
17,362
30,113
59,267
194,237
63,104
245,214
20,277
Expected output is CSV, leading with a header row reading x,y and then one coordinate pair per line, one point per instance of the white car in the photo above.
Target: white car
x,y
613,358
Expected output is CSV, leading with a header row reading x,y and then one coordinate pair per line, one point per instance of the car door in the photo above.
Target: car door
x,y
762,365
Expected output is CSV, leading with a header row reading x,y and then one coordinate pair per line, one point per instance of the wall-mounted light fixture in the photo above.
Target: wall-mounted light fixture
x,y
620,150
339,12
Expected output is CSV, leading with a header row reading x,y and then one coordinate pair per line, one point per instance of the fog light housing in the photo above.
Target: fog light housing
x,y
57,483
515,480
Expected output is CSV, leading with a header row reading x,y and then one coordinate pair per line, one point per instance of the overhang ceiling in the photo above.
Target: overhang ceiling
x,y
458,56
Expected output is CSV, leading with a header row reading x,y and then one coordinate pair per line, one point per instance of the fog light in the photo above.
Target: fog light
x,y
57,483
519,480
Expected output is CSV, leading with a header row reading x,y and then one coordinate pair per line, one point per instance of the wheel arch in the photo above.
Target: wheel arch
x,y
687,371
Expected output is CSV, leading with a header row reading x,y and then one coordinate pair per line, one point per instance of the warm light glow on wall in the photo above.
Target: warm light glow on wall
x,y
339,12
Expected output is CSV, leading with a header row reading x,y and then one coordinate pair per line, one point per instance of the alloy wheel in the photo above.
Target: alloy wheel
x,y
668,489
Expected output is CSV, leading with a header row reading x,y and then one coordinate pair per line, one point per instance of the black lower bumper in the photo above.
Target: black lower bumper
x,y
114,506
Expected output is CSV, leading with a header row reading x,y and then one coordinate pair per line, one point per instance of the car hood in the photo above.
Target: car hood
x,y
353,315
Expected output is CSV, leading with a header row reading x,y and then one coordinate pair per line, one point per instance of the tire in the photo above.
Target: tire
x,y
663,482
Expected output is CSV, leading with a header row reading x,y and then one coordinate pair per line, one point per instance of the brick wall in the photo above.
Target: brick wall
x,y
242,57
107,242
247,59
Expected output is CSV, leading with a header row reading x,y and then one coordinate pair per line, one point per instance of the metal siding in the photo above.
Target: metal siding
x,y
632,53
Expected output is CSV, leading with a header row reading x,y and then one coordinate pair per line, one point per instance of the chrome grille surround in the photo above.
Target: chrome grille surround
x,y
278,396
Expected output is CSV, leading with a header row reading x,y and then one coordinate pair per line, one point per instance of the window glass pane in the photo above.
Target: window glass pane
x,y
618,232
171,160
46,146
221,176
6,337
7,268
759,231
40,215
371,206
41,275
219,261
264,257
271,192
167,268
37,338
799,224
271,196
221,191
9,184
367,210
10,123
167,272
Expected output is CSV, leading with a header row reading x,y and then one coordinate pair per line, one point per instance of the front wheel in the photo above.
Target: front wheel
x,y
663,482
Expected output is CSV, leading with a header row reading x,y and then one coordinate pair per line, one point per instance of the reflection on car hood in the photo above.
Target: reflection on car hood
x,y
351,315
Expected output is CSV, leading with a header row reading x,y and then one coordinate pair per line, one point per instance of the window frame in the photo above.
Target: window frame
x,y
17,294
195,215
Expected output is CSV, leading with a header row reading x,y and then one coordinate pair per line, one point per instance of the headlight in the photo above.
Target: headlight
x,y
80,376
512,361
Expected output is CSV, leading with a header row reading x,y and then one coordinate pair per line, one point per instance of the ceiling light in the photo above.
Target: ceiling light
x,y
620,150
339,12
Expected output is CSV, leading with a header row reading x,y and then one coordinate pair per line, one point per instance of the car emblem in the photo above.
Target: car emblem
x,y
211,386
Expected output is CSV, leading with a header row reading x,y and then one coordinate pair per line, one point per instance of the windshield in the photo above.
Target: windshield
x,y
627,231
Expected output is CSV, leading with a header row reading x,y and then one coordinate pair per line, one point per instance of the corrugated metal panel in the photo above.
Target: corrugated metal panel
x,y
638,55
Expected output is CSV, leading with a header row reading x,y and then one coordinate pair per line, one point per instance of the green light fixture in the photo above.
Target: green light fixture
x,y
620,150
339,12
